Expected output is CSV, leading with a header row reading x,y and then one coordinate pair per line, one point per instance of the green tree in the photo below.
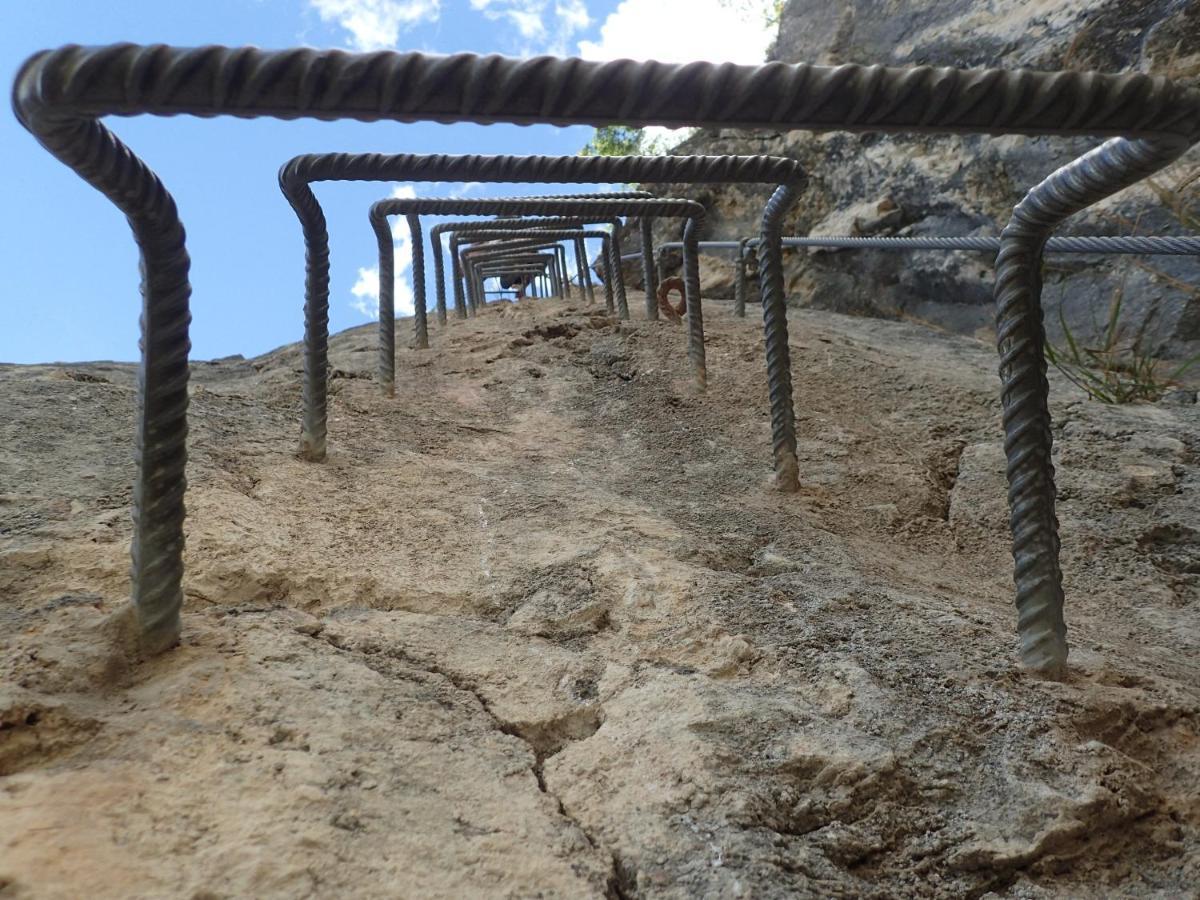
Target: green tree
x,y
615,140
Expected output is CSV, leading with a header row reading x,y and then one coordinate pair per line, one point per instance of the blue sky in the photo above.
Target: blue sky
x,y
71,280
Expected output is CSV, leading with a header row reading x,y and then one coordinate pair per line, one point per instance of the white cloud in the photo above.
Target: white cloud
x,y
550,23
376,24
468,187
683,31
366,293
366,288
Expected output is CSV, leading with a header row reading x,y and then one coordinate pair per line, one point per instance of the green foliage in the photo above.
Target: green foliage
x,y
615,140
1115,369
771,11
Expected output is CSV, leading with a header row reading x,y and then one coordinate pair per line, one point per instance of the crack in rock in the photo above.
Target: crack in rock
x,y
543,739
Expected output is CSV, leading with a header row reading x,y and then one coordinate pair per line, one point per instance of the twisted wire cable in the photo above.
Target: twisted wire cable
x,y
1166,245
60,95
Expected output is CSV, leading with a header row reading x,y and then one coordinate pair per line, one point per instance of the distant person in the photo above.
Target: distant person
x,y
515,282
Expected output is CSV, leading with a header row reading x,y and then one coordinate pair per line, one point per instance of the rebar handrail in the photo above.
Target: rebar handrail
x,y
596,210
516,251
436,232
313,433
540,222
482,231
61,95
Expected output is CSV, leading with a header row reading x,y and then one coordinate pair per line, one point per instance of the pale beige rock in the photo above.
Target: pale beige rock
x,y
540,627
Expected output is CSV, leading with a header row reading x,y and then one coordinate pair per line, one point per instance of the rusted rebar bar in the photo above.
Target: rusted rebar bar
x,y
435,238
494,260
299,173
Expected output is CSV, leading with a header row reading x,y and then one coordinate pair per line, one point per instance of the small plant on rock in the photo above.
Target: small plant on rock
x,y
1115,368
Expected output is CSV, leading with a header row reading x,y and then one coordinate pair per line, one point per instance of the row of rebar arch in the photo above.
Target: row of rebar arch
x,y
61,95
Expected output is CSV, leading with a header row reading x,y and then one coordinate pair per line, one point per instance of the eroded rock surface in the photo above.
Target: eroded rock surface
x,y
540,627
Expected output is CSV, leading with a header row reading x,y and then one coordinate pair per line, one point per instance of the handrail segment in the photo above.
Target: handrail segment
x,y
436,232
61,95
435,238
533,231
595,210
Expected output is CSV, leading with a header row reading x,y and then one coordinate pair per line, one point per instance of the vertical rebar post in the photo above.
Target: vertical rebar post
x,y
61,96
695,309
1021,338
585,272
775,329
420,325
618,274
650,283
739,279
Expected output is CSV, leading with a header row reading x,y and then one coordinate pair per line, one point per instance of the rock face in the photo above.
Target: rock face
x,y
950,186
539,627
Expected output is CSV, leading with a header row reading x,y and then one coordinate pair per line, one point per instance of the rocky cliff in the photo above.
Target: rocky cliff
x,y
944,185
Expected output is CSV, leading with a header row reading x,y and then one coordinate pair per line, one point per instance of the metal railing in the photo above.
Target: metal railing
x,y
594,210
61,96
435,239
542,222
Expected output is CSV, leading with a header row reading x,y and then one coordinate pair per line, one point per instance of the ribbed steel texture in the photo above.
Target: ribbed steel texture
x,y
597,208
649,281
493,260
739,279
296,176
779,361
60,96
1021,339
558,282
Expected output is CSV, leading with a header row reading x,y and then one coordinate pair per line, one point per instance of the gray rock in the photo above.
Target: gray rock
x,y
963,185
